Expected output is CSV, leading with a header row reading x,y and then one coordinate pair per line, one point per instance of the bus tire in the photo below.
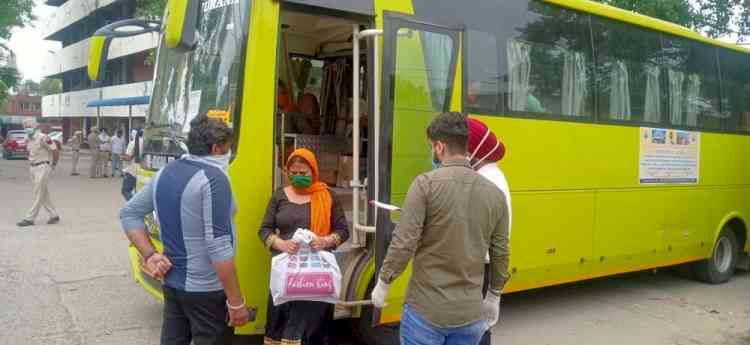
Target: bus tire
x,y
720,267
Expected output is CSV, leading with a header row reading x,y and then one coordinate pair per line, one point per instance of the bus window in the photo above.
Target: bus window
x,y
693,85
735,77
628,81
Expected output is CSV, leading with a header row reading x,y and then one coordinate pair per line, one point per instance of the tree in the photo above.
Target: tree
x,y
29,87
150,9
50,86
713,18
15,14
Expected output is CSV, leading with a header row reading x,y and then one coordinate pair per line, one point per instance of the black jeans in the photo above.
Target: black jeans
x,y
128,186
200,317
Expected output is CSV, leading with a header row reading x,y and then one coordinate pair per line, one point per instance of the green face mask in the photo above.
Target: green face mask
x,y
301,181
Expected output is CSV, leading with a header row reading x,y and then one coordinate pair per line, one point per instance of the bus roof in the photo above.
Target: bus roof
x,y
643,21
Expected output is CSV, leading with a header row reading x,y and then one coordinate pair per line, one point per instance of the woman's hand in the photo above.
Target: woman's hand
x,y
289,247
322,243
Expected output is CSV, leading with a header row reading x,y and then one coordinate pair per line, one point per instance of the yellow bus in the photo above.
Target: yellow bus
x,y
628,137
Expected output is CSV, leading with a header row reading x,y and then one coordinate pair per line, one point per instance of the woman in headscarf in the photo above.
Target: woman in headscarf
x,y
305,203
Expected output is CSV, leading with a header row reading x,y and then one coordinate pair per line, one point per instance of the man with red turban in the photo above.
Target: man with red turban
x,y
485,150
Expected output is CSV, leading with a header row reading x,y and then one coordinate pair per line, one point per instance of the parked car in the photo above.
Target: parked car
x,y
15,145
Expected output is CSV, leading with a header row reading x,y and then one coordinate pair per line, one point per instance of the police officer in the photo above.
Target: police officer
x,y
93,141
75,146
43,156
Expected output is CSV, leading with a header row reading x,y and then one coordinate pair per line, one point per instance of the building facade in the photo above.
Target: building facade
x,y
128,73
21,111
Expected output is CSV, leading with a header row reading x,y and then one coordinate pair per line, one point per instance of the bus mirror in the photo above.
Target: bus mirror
x,y
100,41
181,29
98,56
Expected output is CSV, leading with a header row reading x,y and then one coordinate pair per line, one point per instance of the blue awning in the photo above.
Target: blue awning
x,y
115,102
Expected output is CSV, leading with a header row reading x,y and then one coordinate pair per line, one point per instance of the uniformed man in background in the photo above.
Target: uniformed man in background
x,y
93,141
75,146
43,156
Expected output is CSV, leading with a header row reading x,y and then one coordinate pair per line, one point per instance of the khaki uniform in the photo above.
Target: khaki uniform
x,y
40,156
75,145
93,141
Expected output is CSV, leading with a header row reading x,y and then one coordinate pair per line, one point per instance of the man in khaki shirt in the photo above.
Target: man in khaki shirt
x,y
75,146
451,217
95,170
43,157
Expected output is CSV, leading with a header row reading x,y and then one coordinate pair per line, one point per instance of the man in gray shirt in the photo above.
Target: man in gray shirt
x,y
194,207
451,218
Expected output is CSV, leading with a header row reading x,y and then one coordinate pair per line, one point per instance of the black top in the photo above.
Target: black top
x,y
284,217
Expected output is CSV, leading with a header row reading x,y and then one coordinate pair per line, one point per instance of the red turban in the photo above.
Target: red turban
x,y
483,144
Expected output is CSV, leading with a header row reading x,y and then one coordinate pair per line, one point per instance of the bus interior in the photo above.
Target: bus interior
x,y
314,111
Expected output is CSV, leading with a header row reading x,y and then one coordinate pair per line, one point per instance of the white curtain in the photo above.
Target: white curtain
x,y
575,84
676,79
519,73
438,50
619,92
653,95
693,97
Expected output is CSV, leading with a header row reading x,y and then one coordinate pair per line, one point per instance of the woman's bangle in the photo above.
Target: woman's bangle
x,y
236,307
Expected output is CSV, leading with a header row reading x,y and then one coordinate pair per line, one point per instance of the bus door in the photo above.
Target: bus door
x,y
419,68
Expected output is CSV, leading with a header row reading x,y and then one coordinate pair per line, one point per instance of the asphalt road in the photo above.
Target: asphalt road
x,y
70,284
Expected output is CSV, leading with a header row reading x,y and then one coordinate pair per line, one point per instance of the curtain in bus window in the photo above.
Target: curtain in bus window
x,y
519,73
619,92
676,80
575,84
653,95
438,51
693,100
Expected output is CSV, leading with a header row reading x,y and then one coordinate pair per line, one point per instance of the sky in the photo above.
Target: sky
x,y
30,47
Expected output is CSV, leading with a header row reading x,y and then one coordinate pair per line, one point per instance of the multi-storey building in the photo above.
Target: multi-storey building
x,y
128,73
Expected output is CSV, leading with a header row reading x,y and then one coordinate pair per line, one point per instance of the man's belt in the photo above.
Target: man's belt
x,y
39,163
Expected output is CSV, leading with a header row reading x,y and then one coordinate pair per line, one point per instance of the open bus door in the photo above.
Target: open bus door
x,y
419,68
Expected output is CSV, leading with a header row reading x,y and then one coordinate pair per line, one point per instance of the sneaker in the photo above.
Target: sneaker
x,y
54,220
25,223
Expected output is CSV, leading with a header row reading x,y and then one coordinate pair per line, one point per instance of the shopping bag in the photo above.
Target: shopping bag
x,y
306,276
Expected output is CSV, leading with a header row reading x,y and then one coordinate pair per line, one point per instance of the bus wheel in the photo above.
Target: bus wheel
x,y
720,267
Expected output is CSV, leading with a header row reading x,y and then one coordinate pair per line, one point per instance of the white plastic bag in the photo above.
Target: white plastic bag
x,y
305,276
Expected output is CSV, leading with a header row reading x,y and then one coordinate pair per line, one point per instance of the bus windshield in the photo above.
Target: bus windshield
x,y
200,81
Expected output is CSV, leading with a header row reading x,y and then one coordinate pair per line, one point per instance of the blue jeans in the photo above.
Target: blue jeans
x,y
416,330
116,164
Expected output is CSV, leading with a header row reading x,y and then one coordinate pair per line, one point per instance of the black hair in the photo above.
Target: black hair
x,y
452,129
205,133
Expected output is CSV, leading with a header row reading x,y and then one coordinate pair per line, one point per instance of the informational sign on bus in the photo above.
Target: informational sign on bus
x,y
669,156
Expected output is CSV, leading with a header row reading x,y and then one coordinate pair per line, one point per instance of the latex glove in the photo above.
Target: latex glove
x,y
379,293
491,309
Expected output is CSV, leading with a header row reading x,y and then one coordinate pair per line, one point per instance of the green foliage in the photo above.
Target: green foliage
x,y
4,92
713,18
10,77
29,87
15,14
150,9
50,87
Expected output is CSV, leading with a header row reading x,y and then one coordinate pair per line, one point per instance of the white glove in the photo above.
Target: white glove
x,y
491,309
379,293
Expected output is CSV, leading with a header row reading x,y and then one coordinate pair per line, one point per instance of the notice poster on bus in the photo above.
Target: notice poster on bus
x,y
669,156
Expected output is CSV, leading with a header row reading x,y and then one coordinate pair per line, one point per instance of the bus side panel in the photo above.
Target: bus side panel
x,y
252,169
688,227
629,230
551,239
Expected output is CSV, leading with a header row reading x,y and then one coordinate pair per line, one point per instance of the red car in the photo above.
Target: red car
x,y
15,145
